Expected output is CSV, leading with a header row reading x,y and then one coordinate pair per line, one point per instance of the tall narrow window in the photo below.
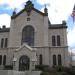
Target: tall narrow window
x,y
59,60
54,60
53,41
0,59
28,35
58,40
4,59
40,59
6,42
2,42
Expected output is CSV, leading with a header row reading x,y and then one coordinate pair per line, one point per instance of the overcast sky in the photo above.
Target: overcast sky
x,y
58,10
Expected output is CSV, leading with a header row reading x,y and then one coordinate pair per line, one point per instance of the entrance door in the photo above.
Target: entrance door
x,y
24,62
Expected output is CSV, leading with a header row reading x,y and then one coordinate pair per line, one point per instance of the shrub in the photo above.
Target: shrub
x,y
58,68
71,71
8,67
41,67
54,73
45,73
61,68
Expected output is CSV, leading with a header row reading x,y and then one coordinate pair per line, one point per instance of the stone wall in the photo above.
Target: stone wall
x,y
12,72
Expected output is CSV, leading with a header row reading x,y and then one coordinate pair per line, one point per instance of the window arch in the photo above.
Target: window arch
x,y
54,60
2,42
6,42
58,40
40,59
24,63
28,35
59,60
4,60
0,59
53,41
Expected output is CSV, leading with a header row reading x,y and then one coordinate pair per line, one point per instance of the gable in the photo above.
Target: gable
x,y
16,15
26,50
28,8
26,47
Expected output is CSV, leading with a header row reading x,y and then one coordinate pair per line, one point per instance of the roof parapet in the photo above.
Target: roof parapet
x,y
3,27
63,22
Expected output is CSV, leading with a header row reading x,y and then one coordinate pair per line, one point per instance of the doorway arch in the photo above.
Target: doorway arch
x,y
24,63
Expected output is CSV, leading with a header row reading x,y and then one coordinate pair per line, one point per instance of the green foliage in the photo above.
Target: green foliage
x,y
60,68
8,67
71,71
54,73
41,67
55,70
45,73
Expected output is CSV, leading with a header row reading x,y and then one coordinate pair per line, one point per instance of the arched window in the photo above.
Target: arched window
x,y
4,60
6,42
40,59
2,42
59,60
53,41
0,59
54,60
58,40
28,35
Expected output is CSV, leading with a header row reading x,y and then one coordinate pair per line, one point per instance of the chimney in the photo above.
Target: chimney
x,y
64,22
3,26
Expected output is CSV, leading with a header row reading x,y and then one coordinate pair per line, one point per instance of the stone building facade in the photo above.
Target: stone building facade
x,y
32,40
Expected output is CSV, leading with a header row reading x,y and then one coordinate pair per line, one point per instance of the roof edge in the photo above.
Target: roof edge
x,y
57,26
16,15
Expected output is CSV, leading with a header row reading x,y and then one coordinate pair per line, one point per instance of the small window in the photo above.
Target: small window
x,y
2,42
40,59
53,41
4,59
58,40
59,60
0,59
28,19
6,42
54,60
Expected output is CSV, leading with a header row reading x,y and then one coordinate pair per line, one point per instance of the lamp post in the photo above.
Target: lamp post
x,y
33,63
14,61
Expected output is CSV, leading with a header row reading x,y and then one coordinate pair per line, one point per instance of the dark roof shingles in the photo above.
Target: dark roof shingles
x,y
4,30
57,26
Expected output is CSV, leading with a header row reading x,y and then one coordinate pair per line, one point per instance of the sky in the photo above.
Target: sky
x,y
58,10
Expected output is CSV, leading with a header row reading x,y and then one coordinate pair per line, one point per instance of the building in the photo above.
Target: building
x,y
32,40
